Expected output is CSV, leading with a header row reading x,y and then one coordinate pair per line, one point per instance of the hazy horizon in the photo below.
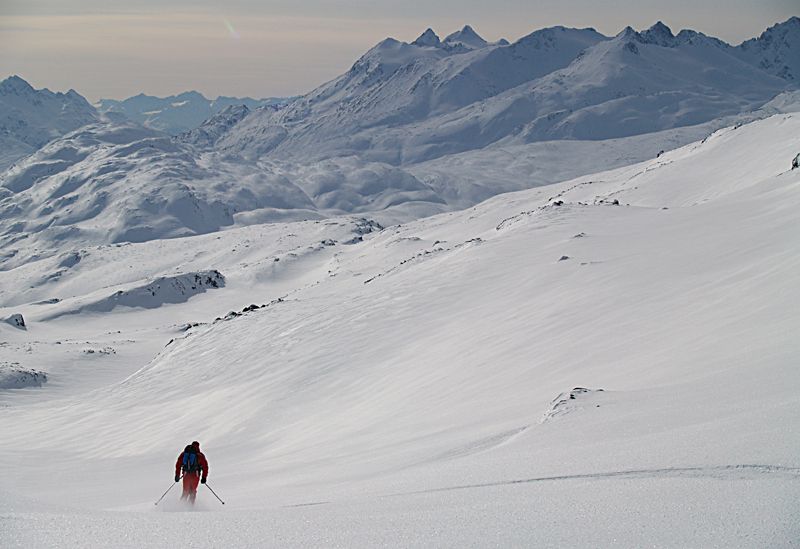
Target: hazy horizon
x,y
112,50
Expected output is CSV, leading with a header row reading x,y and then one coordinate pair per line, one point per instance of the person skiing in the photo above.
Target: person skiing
x,y
194,466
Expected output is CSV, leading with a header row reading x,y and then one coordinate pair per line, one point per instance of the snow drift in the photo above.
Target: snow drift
x,y
155,293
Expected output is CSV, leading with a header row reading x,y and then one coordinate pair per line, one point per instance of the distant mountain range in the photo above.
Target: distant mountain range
x,y
178,113
30,118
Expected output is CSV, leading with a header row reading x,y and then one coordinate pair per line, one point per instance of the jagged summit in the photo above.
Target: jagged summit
x,y
793,23
427,38
627,32
460,41
466,37
661,35
658,34
659,27
15,83
29,118
776,50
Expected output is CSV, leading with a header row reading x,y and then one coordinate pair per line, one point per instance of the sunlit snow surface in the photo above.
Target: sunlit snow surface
x,y
395,387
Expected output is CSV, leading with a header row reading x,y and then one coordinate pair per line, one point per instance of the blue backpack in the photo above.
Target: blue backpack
x,y
190,462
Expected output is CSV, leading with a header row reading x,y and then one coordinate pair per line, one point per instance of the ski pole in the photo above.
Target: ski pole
x,y
215,494
168,489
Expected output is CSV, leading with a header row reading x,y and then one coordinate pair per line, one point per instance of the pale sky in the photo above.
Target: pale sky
x,y
262,48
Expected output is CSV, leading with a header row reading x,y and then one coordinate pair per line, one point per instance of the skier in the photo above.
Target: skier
x,y
193,464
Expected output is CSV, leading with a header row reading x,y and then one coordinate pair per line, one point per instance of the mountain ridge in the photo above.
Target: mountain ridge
x,y
397,99
30,118
178,113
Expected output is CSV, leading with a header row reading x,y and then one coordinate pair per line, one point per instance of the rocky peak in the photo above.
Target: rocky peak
x,y
658,34
427,38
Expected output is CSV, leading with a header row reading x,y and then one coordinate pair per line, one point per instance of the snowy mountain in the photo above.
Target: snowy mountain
x,y
411,130
110,183
131,184
405,103
467,38
396,85
207,133
178,113
460,41
29,118
776,51
616,352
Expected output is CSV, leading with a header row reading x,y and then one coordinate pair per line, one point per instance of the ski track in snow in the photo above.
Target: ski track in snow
x,y
721,472
718,472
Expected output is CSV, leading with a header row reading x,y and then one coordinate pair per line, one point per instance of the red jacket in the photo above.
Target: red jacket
x,y
201,460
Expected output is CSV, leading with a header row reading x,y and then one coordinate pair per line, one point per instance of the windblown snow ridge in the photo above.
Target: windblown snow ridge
x,y
160,291
571,401
13,376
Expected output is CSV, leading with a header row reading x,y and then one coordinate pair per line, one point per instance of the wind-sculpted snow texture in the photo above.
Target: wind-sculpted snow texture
x,y
572,401
14,377
354,385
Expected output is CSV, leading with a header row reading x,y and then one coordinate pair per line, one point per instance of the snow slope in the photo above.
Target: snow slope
x,y
30,118
394,394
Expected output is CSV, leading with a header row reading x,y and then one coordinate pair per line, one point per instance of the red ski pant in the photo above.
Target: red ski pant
x,y
190,482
